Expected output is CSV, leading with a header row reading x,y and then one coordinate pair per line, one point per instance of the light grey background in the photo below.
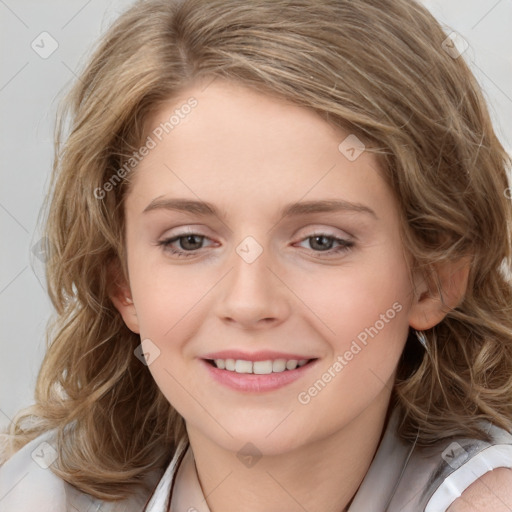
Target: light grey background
x,y
30,87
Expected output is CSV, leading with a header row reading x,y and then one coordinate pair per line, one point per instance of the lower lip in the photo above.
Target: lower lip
x,y
256,383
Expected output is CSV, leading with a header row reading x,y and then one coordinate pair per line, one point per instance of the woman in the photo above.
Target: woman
x,y
280,239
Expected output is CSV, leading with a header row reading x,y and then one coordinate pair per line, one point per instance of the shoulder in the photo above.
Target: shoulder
x,y
26,480
492,491
479,477
449,475
27,483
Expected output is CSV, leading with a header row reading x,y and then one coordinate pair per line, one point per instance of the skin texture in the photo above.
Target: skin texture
x,y
493,491
250,155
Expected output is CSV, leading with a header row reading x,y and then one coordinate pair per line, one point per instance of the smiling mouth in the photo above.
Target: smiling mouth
x,y
259,367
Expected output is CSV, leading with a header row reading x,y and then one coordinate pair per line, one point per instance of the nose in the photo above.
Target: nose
x,y
253,295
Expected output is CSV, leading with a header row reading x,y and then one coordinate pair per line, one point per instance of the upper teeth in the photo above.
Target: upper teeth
x,y
258,367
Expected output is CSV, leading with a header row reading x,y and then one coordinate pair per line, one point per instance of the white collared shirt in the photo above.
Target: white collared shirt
x,y
401,478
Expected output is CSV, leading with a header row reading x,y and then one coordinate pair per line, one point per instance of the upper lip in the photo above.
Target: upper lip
x,y
262,355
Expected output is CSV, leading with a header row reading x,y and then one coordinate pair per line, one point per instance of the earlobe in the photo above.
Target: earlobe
x,y
437,296
120,295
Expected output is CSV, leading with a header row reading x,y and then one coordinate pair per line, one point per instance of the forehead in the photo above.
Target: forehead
x,y
237,138
239,120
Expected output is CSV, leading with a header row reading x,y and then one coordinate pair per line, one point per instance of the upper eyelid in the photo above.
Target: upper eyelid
x,y
325,233
314,230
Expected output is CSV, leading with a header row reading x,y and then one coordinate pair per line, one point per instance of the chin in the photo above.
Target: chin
x,y
261,440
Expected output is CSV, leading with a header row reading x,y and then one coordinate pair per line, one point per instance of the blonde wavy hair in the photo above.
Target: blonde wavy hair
x,y
378,69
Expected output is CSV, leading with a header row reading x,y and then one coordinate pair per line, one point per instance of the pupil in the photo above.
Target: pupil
x,y
321,246
190,239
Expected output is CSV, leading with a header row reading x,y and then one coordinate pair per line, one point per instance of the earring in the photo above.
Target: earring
x,y
128,300
422,339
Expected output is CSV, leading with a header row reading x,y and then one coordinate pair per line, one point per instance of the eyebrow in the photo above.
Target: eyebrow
x,y
289,210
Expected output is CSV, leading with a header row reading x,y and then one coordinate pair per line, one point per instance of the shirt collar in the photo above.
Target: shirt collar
x,y
180,483
159,501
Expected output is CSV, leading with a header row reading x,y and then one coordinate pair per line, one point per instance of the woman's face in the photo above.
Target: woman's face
x,y
290,249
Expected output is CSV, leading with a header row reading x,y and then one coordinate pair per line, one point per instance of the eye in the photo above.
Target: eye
x,y
323,242
189,242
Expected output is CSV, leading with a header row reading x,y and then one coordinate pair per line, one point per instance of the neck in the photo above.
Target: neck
x,y
321,475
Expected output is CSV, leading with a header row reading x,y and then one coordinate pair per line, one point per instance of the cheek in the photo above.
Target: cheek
x,y
369,323
348,299
167,294
362,311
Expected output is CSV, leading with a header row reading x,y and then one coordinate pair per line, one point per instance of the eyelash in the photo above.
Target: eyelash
x,y
345,245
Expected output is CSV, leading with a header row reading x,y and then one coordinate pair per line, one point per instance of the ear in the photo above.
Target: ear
x,y
439,294
120,295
